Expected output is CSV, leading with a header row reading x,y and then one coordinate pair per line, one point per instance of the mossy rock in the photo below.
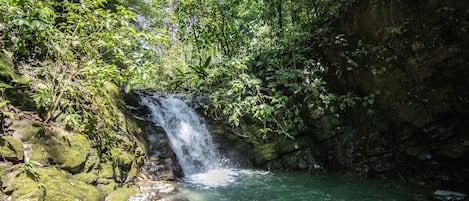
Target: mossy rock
x,y
133,171
8,72
88,178
39,154
51,184
122,194
22,187
93,161
265,152
25,129
68,150
123,158
11,148
4,166
109,188
106,170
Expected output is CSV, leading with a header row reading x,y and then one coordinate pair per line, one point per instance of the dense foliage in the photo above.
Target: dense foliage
x,y
71,51
258,60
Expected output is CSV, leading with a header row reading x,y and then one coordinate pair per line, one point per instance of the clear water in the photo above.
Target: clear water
x,y
249,185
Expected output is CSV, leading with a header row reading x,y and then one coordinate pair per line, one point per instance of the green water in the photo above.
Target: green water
x,y
245,185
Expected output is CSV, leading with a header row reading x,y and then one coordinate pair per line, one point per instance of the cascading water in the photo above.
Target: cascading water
x,y
187,132
190,140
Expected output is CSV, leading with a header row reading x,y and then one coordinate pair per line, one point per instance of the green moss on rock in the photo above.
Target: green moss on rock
x,y
122,157
68,150
8,72
265,152
11,148
88,178
39,154
52,184
106,170
4,166
122,194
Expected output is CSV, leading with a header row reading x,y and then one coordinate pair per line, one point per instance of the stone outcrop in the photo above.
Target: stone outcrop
x,y
418,122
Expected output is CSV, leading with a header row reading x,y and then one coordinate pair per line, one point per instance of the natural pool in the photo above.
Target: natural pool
x,y
249,185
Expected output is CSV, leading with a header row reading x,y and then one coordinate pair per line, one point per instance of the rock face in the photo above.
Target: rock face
x,y
419,120
156,178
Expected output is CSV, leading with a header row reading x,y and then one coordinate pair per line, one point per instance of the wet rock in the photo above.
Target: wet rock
x,y
448,195
154,190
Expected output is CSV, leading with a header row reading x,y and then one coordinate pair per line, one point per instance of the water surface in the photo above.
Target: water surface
x,y
249,185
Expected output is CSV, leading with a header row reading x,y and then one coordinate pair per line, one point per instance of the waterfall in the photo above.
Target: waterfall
x,y
187,132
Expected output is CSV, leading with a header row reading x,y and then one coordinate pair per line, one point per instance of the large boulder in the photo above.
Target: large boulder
x,y
67,150
46,184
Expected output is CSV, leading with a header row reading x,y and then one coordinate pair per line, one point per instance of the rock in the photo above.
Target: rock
x,y
11,148
50,184
154,190
4,166
86,177
265,152
92,163
122,194
68,150
8,72
448,195
25,129
106,170
122,157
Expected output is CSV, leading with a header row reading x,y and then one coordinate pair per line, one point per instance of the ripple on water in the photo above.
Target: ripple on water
x,y
249,185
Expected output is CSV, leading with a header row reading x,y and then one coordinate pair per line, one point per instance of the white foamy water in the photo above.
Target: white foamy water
x,y
213,178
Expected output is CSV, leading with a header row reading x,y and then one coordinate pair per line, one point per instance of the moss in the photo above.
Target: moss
x,y
266,151
52,184
68,150
112,89
122,194
8,72
88,178
4,166
108,188
133,171
11,148
106,170
22,187
122,157
93,160
39,154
